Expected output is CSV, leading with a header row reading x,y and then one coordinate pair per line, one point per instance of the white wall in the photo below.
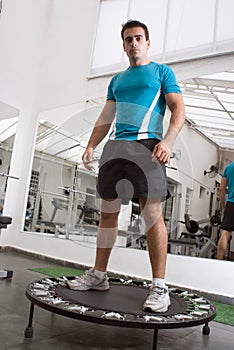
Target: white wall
x,y
46,51
196,273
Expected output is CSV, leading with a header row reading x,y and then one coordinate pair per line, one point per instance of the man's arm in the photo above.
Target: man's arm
x,y
162,150
222,193
100,130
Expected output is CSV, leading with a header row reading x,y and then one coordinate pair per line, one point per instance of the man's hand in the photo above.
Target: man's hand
x,y
161,153
87,158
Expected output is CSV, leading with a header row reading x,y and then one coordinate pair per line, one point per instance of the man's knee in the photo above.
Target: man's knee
x,y
226,235
105,216
110,206
152,213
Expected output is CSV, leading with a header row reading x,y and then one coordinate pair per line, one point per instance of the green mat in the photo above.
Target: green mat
x,y
59,271
225,313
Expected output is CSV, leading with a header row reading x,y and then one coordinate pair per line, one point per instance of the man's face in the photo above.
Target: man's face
x,y
135,44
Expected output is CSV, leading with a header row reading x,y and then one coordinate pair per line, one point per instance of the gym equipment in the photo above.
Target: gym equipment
x,y
215,220
10,176
87,214
193,226
4,221
58,203
88,217
193,242
213,171
120,306
135,219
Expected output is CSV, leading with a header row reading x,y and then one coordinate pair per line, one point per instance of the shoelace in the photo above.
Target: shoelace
x,y
155,292
84,276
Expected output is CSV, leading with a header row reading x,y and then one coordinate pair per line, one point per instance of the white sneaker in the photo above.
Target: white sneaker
x,y
89,281
157,300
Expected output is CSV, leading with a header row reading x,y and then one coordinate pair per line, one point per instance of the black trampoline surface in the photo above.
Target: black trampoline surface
x,y
119,298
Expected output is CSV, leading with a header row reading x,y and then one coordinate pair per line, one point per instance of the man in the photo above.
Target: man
x,y
132,163
227,209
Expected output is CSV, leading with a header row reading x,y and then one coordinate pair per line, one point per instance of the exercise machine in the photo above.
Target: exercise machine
x,y
135,219
197,240
4,221
58,203
89,214
79,204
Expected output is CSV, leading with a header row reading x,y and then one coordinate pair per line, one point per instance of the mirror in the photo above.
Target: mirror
x,y
61,197
8,124
62,200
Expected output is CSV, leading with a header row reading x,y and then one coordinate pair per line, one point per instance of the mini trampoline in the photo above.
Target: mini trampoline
x,y
120,306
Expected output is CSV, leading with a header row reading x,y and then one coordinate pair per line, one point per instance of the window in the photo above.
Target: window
x,y
178,30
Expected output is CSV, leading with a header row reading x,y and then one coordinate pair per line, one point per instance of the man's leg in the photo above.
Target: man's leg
x,y
157,238
96,278
107,232
158,299
223,244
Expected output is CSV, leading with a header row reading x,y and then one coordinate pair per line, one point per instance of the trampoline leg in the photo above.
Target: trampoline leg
x,y
206,329
29,329
155,339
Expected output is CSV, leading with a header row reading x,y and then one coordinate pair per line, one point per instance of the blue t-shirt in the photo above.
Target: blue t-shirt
x,y
134,91
229,175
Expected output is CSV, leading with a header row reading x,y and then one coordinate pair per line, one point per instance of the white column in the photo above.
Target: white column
x,y
21,65
21,165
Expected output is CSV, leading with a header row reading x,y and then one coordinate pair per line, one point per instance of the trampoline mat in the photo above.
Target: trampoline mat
x,y
127,299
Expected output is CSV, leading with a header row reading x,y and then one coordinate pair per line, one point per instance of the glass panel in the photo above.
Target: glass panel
x,y
225,27
199,102
7,128
178,30
153,14
188,25
108,42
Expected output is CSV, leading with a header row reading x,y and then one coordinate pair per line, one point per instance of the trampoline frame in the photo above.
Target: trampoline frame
x,y
43,294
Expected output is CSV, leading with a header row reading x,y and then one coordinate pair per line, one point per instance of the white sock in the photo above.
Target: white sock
x,y
99,274
159,282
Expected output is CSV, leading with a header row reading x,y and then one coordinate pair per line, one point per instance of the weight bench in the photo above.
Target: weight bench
x,y
4,221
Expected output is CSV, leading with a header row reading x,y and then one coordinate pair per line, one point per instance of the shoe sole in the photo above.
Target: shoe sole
x,y
85,289
150,308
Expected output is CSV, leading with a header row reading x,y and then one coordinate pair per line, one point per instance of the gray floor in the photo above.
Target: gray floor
x,y
57,332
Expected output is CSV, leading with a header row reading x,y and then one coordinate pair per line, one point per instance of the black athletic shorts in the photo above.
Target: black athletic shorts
x,y
228,218
126,171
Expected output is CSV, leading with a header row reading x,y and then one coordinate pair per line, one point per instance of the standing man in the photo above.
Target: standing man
x,y
227,209
132,164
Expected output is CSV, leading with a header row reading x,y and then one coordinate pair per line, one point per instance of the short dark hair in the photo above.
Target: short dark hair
x,y
132,24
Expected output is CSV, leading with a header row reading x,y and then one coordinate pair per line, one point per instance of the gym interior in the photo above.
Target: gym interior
x,y
57,58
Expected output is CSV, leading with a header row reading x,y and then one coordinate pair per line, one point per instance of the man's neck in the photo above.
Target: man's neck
x,y
135,63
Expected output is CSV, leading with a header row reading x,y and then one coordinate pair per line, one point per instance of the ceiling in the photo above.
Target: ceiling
x,y
209,110
209,104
